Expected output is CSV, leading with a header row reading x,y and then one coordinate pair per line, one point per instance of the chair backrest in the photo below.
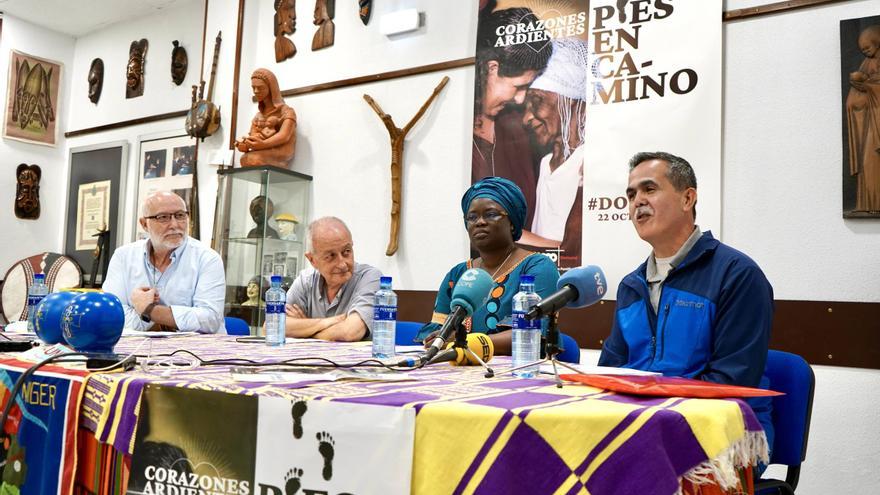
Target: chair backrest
x,y
789,373
571,353
236,326
406,331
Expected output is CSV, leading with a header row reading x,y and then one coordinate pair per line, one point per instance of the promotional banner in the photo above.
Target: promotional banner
x,y
655,85
194,442
567,91
333,448
529,114
40,431
214,443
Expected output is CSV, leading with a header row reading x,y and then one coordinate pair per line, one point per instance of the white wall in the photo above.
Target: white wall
x,y
161,95
343,144
783,160
22,238
782,205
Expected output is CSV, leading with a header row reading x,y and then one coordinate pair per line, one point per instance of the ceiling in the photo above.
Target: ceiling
x,y
80,17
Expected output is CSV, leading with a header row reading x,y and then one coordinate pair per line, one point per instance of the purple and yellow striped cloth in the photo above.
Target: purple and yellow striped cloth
x,y
479,435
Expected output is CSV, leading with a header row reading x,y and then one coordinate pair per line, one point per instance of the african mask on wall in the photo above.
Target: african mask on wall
x,y
96,80
179,63
27,191
134,74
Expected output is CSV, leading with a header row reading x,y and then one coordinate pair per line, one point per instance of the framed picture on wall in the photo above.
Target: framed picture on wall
x,y
860,88
32,99
166,163
95,185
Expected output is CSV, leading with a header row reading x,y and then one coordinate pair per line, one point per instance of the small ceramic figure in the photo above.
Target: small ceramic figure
x,y
287,226
254,292
261,209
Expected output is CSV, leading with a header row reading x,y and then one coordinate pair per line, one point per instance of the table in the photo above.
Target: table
x,y
472,434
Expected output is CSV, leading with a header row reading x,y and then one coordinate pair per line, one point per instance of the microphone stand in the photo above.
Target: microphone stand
x,y
551,349
461,343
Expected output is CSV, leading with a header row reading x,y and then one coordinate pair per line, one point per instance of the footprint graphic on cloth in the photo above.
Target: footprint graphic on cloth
x,y
291,481
325,448
298,411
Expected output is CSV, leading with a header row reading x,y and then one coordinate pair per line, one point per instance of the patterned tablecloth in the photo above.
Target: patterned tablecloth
x,y
476,434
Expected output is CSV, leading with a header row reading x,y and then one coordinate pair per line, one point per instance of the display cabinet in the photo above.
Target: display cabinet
x,y
259,231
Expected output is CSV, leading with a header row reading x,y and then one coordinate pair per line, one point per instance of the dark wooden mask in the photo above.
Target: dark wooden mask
x,y
27,191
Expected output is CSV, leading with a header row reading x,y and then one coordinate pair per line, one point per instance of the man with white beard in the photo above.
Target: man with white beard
x,y
169,281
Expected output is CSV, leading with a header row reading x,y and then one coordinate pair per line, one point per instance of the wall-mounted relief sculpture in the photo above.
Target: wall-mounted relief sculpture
x,y
32,95
325,11
179,63
285,24
27,191
365,8
134,73
860,81
96,80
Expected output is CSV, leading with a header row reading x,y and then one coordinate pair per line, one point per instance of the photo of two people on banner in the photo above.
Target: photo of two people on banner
x,y
529,119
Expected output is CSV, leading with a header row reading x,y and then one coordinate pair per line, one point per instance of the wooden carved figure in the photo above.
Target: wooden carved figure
x,y
398,136
285,24
96,80
365,8
27,191
325,11
179,63
863,123
134,73
271,139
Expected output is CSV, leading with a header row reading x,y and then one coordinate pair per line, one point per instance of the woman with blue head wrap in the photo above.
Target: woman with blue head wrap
x,y
494,211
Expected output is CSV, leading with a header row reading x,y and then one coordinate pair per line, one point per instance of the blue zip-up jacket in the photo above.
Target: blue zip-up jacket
x,y
712,323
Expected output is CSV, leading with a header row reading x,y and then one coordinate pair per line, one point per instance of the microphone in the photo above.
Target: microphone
x,y
576,288
470,293
479,343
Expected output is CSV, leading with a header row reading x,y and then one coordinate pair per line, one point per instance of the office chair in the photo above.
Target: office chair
x,y
236,326
571,353
406,332
789,373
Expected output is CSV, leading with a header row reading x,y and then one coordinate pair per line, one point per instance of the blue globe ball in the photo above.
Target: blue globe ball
x,y
47,317
93,322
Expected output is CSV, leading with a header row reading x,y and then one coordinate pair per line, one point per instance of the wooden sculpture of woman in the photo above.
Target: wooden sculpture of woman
x,y
272,137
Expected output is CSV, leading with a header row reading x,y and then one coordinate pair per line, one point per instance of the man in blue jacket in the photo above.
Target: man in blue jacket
x,y
695,308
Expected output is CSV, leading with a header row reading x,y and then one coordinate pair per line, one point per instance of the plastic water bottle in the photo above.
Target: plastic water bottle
x,y
36,293
384,320
275,315
526,333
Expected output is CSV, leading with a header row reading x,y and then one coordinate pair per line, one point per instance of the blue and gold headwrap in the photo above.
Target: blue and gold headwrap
x,y
505,193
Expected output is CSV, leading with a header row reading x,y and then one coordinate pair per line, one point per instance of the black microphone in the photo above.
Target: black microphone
x,y
576,288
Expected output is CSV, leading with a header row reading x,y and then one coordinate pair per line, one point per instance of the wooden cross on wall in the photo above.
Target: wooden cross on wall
x,y
398,136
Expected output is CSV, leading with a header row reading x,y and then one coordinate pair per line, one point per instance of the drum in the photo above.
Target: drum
x,y
61,272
